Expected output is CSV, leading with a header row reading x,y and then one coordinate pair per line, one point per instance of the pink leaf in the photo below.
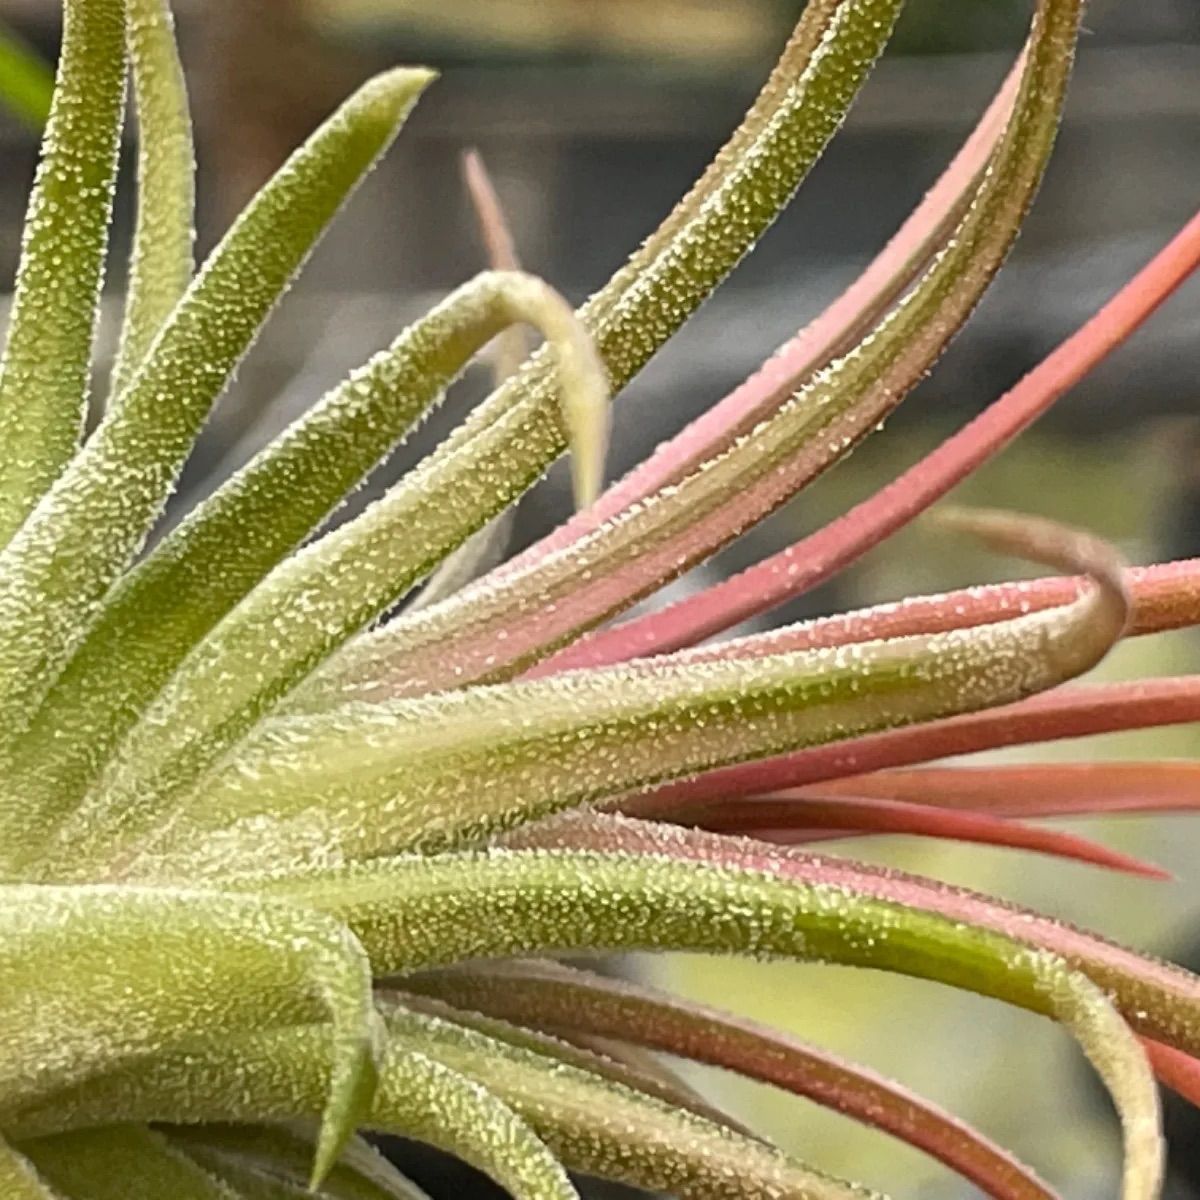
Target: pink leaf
x,y
791,818
814,559
1035,790
1179,1071
1075,711
1165,596
546,995
775,438
831,333
1158,999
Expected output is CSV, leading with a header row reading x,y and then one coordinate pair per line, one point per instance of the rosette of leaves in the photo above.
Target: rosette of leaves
x,y
279,867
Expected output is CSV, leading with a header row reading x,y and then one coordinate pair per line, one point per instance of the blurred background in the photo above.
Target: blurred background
x,y
594,116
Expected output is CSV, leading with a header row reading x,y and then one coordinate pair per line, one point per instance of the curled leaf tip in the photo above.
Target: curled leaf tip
x,y
1063,548
585,411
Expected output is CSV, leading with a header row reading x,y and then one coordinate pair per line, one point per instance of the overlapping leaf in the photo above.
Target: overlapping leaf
x,y
163,729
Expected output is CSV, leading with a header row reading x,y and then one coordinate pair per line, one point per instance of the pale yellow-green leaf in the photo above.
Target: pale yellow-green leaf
x,y
161,265
44,373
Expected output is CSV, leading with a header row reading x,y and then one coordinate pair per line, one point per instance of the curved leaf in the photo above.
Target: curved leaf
x,y
573,1002
286,1153
603,1128
1165,596
811,561
94,519
835,331
221,551
639,1076
173,964
45,370
486,547
1159,999
413,913
283,1075
513,437
1079,711
161,265
560,595
306,785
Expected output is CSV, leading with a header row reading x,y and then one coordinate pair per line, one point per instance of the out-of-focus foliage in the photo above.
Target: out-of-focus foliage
x,y
26,83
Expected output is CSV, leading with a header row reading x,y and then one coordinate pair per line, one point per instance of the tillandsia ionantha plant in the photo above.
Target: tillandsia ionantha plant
x,y
282,864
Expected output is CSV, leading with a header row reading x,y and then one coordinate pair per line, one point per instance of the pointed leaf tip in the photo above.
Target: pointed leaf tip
x,y
391,94
352,1090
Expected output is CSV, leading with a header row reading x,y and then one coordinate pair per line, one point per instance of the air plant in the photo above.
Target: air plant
x,y
283,863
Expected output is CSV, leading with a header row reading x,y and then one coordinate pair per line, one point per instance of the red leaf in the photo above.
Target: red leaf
x,y
818,557
790,818
1035,790
569,1002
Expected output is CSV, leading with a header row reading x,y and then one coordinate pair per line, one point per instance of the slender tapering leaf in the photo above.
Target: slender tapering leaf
x,y
573,1002
164,606
1158,999
560,595
600,1127
455,767
94,519
810,561
286,1153
413,913
485,548
501,451
161,267
602,1062
174,964
283,1075
45,371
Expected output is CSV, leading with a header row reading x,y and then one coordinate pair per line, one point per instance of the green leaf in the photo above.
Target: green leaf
x,y
246,1183
26,82
517,434
91,523
576,1003
121,1162
603,1128
162,264
44,373
437,771
250,1183
513,437
284,1075
412,913
553,598
174,964
641,1076
169,602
